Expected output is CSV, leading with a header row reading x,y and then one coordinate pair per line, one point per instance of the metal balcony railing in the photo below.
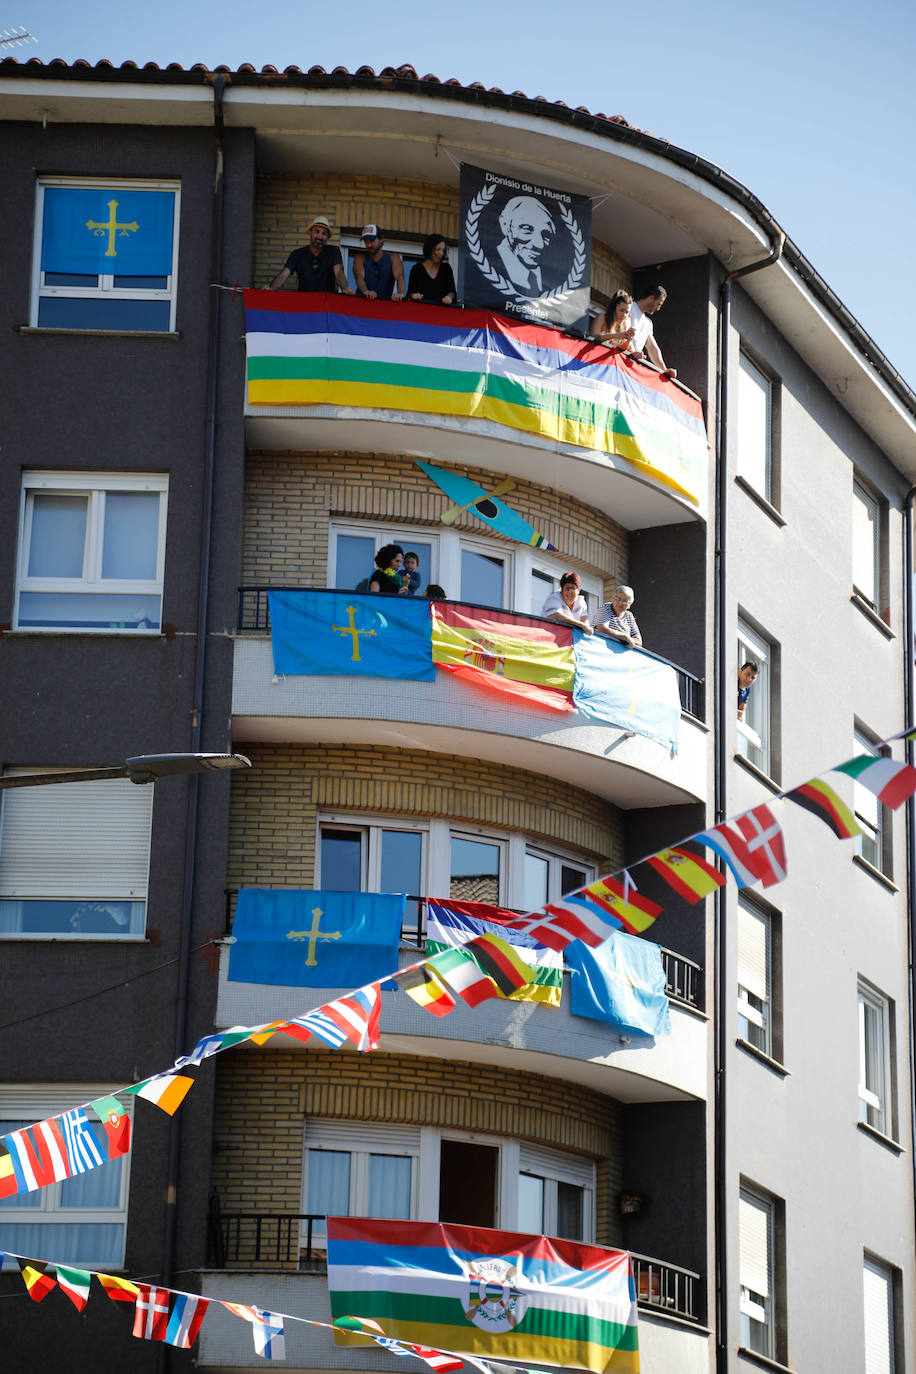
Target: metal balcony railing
x,y
295,1240
253,616
665,1287
684,981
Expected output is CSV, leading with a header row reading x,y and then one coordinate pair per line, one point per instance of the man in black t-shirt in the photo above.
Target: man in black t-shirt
x,y
319,266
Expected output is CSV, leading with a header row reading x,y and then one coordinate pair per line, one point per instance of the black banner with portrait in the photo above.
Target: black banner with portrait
x,y
524,250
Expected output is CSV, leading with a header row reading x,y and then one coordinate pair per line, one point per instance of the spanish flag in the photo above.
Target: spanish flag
x,y
514,655
691,876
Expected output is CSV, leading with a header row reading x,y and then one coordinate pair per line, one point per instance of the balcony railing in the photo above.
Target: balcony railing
x,y
253,616
295,1240
665,1287
684,982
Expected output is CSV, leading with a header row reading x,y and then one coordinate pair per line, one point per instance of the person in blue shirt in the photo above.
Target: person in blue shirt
x,y
747,676
379,275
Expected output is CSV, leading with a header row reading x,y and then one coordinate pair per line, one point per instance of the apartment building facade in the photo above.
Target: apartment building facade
x,y
722,1156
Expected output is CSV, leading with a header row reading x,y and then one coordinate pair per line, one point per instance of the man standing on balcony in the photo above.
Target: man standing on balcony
x,y
641,312
379,275
318,266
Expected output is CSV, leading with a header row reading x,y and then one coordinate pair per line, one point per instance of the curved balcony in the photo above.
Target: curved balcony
x,y
473,387
524,1035
445,716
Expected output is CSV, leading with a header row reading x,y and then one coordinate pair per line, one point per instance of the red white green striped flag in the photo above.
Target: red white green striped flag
x,y
891,782
75,1283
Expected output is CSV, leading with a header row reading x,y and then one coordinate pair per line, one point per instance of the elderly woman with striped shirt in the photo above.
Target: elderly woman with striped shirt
x,y
616,620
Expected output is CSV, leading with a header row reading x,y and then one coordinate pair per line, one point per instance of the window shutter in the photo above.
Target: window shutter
x,y
879,1320
362,1137
754,1244
753,952
547,1163
79,839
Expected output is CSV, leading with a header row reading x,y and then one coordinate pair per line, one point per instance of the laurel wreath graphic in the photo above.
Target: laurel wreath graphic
x,y
495,278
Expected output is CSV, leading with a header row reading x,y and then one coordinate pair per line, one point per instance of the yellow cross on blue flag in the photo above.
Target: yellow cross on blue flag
x,y
351,634
107,230
295,938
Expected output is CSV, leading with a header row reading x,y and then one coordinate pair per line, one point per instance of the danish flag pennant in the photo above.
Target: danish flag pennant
x,y
765,845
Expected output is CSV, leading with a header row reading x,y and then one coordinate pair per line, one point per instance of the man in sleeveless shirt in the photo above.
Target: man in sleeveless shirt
x,y
379,275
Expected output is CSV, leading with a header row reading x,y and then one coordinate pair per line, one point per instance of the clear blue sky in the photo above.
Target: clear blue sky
x,y
810,105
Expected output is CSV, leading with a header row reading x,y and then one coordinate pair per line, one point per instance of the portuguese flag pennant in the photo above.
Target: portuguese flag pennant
x,y
487,1293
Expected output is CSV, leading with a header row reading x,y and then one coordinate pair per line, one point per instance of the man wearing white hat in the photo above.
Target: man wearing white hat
x,y
318,266
379,275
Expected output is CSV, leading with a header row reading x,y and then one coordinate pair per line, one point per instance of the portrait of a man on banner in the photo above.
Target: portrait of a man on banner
x,y
524,249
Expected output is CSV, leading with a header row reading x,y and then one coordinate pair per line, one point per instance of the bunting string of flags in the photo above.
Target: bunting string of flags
x,y
750,847
175,1317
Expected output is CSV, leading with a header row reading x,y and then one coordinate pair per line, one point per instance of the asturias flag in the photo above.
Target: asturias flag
x,y
495,1294
96,230
351,634
627,688
307,939
621,982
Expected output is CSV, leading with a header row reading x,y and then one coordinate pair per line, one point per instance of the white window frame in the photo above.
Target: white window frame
x,y
553,1167
423,1144
555,864
756,1211
25,1102
871,508
756,746
95,485
106,289
879,1317
437,853
755,1004
82,801
447,544
749,373
869,812
875,1079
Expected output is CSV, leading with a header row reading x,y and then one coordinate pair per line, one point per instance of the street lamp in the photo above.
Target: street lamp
x,y
143,768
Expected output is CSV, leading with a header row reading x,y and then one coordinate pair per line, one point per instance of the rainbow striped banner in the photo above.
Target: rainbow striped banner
x,y
314,349
496,1294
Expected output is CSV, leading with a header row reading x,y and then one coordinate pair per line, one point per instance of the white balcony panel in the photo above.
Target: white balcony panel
x,y
449,717
520,1035
665,1347
603,480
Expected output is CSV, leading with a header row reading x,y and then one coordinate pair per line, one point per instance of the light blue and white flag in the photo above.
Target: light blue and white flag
x,y
627,688
621,981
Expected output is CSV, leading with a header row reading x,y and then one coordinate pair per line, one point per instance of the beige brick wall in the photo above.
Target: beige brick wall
x,y
404,209
274,805
264,1096
289,499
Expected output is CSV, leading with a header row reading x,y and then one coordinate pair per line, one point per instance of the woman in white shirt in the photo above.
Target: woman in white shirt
x,y
568,604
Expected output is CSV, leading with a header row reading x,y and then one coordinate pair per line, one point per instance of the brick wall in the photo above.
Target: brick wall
x,y
289,499
274,805
404,209
263,1098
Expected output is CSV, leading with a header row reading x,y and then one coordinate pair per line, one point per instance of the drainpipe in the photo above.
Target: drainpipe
x,y
725,710
909,677
203,589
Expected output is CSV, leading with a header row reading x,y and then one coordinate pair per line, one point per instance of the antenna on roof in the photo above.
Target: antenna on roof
x,y
12,38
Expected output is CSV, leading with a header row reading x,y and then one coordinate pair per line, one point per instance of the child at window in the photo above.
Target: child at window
x,y
410,575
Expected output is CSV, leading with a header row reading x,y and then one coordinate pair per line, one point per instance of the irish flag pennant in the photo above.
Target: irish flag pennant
x,y
167,1090
75,1283
891,782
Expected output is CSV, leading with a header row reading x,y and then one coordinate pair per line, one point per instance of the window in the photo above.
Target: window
x,y
874,844
875,1096
362,1169
545,578
866,544
556,1194
757,1023
757,1218
82,1220
106,255
483,576
74,860
756,428
755,730
420,857
880,1317
410,254
353,550
91,552
358,1170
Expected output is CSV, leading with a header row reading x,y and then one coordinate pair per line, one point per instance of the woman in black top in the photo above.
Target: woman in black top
x,y
431,280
